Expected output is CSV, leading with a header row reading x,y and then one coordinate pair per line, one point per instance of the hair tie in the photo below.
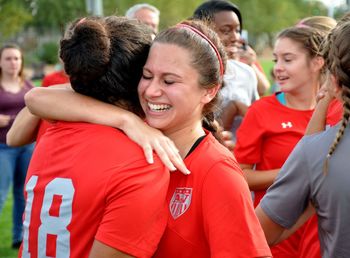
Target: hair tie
x,y
182,25
302,25
81,21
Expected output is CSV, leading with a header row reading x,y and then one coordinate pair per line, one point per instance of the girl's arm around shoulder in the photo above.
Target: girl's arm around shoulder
x,y
62,103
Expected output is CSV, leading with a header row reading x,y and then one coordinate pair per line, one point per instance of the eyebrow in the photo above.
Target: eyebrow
x,y
284,54
164,74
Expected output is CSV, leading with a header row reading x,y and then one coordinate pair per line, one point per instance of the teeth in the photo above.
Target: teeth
x,y
158,108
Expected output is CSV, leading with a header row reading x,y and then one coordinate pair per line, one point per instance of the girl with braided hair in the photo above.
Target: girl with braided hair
x,y
317,170
273,125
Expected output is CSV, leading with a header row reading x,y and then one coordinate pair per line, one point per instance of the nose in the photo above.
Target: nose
x,y
234,36
153,89
278,66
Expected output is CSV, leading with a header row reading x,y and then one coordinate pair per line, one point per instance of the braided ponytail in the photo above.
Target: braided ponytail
x,y
338,61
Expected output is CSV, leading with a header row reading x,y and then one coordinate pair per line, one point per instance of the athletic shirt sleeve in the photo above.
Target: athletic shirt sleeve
x,y
135,216
231,230
291,186
248,149
334,113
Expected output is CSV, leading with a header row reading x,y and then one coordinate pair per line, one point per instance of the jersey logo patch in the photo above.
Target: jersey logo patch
x,y
287,125
180,202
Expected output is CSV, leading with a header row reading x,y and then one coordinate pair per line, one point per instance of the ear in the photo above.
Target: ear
x,y
210,94
317,63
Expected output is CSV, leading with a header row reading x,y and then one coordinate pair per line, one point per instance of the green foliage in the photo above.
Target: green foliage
x,y
5,230
54,15
171,12
14,16
48,53
271,16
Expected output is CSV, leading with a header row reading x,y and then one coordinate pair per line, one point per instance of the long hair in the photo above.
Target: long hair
x,y
337,58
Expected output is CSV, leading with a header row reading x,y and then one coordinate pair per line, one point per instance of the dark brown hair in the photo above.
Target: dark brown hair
x,y
104,58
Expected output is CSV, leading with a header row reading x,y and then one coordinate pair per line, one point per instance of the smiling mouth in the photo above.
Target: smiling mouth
x,y
158,108
282,78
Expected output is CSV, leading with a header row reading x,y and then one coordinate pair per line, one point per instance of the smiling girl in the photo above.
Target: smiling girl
x,y
274,124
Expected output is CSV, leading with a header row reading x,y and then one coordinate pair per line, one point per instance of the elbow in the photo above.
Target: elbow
x,y
31,98
10,141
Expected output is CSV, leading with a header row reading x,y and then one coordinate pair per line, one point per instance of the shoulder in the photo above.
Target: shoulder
x,y
210,156
93,134
319,141
264,104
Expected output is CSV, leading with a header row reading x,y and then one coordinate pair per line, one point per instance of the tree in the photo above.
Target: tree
x,y
54,15
14,15
270,16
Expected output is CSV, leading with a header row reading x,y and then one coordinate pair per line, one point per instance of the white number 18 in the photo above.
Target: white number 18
x,y
54,225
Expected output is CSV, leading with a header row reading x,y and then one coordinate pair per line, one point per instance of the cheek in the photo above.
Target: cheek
x,y
141,88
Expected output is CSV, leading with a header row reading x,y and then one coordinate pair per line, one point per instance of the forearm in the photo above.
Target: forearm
x,y
24,129
65,104
100,250
309,211
317,122
263,82
228,115
242,108
260,179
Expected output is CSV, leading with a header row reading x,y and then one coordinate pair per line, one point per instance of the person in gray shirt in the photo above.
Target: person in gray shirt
x,y
316,176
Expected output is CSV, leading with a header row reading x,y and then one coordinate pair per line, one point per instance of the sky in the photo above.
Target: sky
x,y
334,2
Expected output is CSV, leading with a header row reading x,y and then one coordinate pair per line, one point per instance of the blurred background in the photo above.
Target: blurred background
x,y
37,25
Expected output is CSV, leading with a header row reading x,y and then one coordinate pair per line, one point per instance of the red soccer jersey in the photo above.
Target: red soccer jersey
x,y
211,212
59,77
89,182
266,137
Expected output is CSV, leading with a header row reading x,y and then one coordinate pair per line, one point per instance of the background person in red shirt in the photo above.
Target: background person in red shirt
x,y
275,124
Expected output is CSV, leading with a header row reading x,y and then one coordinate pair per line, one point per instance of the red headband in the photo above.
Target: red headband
x,y
181,25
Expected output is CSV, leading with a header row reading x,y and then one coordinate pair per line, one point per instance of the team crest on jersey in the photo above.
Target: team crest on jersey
x,y
180,202
287,125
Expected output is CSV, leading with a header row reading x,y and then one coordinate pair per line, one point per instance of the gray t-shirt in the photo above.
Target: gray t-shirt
x,y
301,180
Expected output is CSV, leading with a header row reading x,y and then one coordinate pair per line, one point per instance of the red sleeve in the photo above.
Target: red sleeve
x,y
46,81
230,223
334,113
136,211
248,149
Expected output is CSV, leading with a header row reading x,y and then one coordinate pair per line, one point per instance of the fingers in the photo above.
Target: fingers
x,y
170,156
148,152
176,159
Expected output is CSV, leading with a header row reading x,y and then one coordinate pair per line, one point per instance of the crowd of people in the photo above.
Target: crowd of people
x,y
166,143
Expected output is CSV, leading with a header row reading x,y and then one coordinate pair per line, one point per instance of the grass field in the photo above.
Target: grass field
x,y
5,231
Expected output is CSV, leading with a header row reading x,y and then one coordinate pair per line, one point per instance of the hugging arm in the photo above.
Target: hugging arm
x,y
24,129
65,104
